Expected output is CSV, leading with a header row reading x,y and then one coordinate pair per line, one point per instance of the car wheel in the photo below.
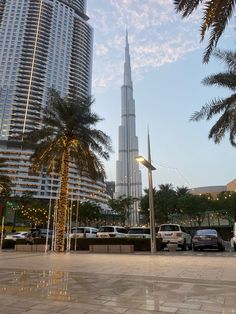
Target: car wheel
x,y
190,246
194,248
184,246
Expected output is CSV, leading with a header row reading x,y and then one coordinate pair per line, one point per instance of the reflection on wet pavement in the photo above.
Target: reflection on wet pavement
x,y
100,293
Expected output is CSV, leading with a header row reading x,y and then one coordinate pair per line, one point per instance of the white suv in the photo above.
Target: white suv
x,y
111,232
83,232
174,233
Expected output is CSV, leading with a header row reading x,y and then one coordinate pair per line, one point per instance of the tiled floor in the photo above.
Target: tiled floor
x,y
131,284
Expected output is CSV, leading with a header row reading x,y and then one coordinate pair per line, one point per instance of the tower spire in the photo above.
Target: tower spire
x,y
128,175
127,66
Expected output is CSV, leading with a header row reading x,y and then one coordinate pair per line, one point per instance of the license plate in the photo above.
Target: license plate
x,y
168,234
205,238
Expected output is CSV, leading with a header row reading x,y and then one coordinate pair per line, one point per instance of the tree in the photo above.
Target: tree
x,y
194,207
181,191
5,181
36,213
225,107
164,203
68,136
121,205
89,212
216,15
225,205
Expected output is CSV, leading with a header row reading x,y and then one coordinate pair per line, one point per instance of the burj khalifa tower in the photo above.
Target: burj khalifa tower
x,y
128,175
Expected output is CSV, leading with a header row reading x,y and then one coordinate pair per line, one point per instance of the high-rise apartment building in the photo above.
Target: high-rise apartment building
x,y
128,175
44,44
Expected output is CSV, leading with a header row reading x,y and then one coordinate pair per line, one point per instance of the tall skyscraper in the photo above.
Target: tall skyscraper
x,y
128,175
44,44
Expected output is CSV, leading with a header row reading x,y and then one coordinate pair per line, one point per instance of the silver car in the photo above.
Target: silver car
x,y
139,232
208,239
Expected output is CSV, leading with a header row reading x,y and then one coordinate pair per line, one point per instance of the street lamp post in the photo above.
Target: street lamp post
x,y
150,167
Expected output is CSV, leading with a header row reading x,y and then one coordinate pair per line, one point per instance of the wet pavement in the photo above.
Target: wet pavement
x,y
181,282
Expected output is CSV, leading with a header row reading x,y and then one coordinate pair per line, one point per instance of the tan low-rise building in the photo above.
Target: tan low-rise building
x,y
214,190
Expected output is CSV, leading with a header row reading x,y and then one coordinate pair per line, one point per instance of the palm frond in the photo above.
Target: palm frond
x,y
228,57
232,135
186,7
214,107
46,155
220,128
69,126
227,80
217,14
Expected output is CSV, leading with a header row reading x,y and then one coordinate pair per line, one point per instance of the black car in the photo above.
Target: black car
x,y
208,239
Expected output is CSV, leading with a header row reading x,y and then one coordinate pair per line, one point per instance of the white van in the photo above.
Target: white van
x,y
111,232
83,232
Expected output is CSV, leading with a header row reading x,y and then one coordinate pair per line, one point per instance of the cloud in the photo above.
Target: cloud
x,y
101,50
157,36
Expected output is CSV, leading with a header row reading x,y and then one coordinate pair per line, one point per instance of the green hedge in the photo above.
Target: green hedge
x,y
8,244
83,243
21,241
139,244
41,241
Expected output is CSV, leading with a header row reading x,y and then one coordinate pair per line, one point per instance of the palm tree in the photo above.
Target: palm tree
x,y
216,15
225,107
181,191
121,206
5,181
68,135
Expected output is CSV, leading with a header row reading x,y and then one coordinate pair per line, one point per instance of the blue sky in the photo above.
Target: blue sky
x,y
167,70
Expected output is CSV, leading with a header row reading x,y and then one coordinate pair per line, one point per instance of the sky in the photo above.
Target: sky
x,y
167,70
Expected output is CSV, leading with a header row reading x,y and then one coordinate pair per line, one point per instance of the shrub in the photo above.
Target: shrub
x,y
41,241
21,241
8,244
139,243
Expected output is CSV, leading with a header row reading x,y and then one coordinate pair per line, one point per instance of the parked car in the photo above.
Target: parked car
x,y
174,233
20,235
111,232
233,239
138,232
83,232
208,239
41,233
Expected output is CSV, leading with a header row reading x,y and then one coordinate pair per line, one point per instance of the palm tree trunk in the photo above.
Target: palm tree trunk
x,y
63,202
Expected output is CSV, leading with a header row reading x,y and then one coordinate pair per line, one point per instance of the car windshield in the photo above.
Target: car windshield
x,y
169,228
106,229
206,232
139,231
78,230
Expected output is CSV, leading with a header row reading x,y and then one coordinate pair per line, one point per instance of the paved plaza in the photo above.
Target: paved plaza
x,y
78,283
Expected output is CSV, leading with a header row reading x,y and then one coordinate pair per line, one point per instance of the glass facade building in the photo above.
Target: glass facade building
x,y
44,44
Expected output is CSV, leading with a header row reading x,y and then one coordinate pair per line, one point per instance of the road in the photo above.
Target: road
x,y
180,282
